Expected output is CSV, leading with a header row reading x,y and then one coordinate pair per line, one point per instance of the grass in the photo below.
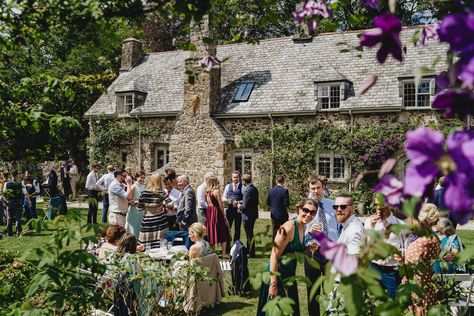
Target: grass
x,y
230,305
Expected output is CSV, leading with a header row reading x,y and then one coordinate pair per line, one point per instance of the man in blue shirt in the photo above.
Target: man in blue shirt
x,y
325,222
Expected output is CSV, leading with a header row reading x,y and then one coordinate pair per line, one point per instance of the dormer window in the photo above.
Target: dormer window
x,y
417,97
243,92
126,102
330,95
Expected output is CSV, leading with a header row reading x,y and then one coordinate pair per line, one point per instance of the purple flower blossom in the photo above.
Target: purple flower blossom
x,y
387,33
458,30
374,4
428,32
391,188
466,65
336,253
455,102
428,159
442,80
209,62
311,8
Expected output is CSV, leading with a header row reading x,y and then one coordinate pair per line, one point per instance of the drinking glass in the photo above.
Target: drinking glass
x,y
163,243
147,247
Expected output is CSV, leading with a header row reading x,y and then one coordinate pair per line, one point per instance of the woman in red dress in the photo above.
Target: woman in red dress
x,y
216,222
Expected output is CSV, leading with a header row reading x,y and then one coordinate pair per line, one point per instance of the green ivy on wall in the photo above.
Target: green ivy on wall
x,y
106,134
295,148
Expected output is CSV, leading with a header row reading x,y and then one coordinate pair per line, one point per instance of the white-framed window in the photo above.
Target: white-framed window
x,y
417,97
243,161
162,155
330,95
126,102
332,165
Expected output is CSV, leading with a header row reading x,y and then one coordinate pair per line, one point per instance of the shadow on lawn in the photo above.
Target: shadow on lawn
x,y
225,307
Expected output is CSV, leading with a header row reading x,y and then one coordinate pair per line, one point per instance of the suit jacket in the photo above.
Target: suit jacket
x,y
279,200
249,206
187,207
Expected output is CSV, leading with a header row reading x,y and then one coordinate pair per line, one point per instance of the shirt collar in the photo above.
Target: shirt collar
x,y
348,221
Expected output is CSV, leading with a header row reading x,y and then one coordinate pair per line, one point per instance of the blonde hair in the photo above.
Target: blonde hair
x,y
198,229
429,214
212,184
154,183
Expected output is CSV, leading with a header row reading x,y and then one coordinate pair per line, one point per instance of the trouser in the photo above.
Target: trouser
x,y
93,206
202,216
74,189
233,216
2,212
171,222
67,189
248,227
105,207
30,212
313,274
390,278
276,224
14,216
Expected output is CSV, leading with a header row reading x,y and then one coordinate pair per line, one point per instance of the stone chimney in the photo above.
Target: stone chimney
x,y
132,52
202,92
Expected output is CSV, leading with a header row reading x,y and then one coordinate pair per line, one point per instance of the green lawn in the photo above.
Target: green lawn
x,y
230,305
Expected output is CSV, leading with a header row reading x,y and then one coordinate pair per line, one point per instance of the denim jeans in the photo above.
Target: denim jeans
x,y
390,278
172,234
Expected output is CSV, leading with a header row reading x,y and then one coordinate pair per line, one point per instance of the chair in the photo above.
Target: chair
x,y
226,268
466,284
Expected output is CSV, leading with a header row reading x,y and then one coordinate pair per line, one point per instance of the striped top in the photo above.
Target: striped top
x,y
154,224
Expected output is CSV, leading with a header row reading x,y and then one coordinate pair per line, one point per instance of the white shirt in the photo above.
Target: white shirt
x,y
74,173
201,196
174,196
118,202
353,235
105,181
91,181
394,240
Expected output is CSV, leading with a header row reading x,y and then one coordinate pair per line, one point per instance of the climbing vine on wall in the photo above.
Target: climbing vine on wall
x,y
106,134
295,148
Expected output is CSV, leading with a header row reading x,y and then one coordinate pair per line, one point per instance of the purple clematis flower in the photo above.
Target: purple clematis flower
x,y
374,4
428,159
387,33
428,32
308,10
391,188
455,102
209,62
442,80
337,254
458,30
466,65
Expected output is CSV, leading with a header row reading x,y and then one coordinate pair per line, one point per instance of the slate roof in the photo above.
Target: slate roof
x,y
284,73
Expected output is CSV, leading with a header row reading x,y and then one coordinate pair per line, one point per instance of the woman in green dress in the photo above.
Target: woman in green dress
x,y
289,239
134,216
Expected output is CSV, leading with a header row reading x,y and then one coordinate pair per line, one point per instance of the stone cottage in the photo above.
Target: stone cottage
x,y
276,81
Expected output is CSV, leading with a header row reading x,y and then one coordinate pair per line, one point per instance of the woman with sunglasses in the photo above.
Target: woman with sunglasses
x,y
289,239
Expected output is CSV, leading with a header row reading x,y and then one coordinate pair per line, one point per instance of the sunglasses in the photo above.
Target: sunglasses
x,y
343,207
307,210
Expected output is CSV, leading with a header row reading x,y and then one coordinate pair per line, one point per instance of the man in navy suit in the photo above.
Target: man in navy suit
x,y
278,200
249,209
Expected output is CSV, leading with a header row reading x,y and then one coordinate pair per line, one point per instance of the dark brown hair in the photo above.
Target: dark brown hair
x,y
127,244
114,233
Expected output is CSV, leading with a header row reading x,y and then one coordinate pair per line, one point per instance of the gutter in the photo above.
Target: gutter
x,y
264,114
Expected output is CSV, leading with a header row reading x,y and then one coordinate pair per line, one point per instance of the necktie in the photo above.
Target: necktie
x,y
339,230
322,218
235,187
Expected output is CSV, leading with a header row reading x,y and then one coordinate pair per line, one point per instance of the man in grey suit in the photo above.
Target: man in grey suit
x,y
187,204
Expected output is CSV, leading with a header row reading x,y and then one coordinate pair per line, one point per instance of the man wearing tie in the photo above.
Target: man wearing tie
x,y
324,221
232,196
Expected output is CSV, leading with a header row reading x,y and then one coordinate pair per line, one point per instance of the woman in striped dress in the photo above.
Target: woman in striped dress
x,y
154,223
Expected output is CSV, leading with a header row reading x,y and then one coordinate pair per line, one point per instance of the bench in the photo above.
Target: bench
x,y
466,282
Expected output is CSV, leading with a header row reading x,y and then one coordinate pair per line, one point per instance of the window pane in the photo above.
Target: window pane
x,y
247,91
238,162
335,96
424,87
323,91
338,172
324,164
409,94
247,166
324,103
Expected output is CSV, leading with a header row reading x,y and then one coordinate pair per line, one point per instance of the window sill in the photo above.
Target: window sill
x,y
330,110
416,108
337,180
